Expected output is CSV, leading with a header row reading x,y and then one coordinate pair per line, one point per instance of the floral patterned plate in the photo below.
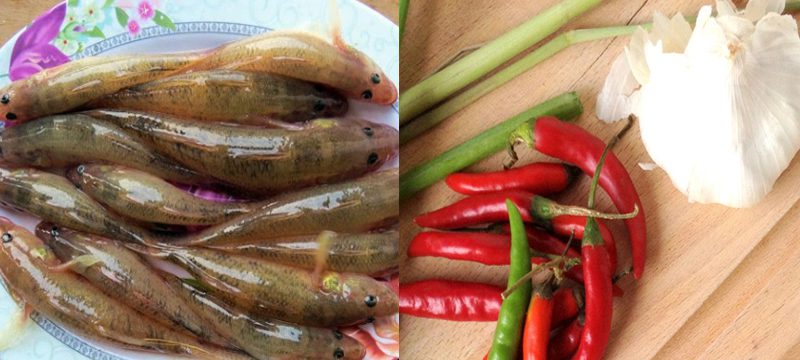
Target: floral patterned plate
x,y
80,28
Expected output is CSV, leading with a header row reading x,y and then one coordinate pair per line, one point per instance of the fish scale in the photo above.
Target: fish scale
x,y
69,301
53,198
75,83
273,291
141,196
229,96
66,140
264,160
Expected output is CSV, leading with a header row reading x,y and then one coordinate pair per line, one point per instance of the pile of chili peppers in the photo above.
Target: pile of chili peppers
x,y
569,303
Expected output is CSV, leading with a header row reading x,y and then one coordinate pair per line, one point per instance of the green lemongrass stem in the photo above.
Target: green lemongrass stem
x,y
459,74
491,141
403,14
469,96
433,117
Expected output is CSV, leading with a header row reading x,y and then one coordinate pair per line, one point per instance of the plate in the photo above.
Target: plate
x,y
80,28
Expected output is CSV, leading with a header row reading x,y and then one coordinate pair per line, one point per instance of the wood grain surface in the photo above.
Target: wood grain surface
x,y
720,283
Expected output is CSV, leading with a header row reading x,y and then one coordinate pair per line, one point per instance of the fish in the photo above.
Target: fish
x,y
265,161
364,253
306,56
230,96
267,339
64,297
268,290
70,85
53,198
121,274
353,206
138,195
69,140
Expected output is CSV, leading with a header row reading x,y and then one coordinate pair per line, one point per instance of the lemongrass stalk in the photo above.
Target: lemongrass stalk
x,y
403,13
456,76
491,141
561,42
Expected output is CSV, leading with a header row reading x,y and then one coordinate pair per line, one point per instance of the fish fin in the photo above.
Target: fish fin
x,y
16,327
78,264
321,256
273,123
336,27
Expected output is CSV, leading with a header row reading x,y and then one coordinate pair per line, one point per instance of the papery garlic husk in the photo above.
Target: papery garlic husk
x,y
719,105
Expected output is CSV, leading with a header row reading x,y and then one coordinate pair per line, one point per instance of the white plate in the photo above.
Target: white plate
x,y
198,24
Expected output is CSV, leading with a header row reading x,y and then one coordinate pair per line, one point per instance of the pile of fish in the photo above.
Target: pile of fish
x,y
103,150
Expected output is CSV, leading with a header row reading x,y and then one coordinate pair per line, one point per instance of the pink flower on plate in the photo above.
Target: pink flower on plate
x,y
145,10
133,27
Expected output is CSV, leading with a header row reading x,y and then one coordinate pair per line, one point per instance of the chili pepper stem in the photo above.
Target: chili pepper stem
x,y
546,209
614,140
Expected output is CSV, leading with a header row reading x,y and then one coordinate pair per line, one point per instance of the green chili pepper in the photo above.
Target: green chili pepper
x,y
508,333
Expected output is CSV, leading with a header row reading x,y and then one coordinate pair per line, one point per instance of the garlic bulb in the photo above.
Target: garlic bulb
x,y
719,105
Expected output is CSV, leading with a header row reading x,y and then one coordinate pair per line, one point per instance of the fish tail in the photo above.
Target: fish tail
x,y
336,26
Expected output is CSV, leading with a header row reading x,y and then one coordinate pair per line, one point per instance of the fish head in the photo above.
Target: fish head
x,y
376,298
384,141
375,87
14,104
16,241
81,175
351,349
64,246
327,102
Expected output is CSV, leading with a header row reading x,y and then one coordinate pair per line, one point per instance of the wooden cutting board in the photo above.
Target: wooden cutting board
x,y
720,283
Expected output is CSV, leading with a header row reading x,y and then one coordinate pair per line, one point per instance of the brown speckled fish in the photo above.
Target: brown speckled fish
x,y
230,96
367,253
66,140
306,56
141,196
122,274
273,291
265,160
75,83
268,339
357,205
53,198
26,267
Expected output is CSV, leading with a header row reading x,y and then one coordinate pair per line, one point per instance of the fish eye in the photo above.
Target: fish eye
x,y
54,231
5,99
7,238
367,94
81,169
376,78
11,116
372,159
371,300
368,131
338,334
338,353
319,105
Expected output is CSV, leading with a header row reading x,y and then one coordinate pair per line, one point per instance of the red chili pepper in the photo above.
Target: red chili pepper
x,y
486,248
563,225
597,282
539,178
537,323
547,243
476,210
451,300
572,144
565,341
566,302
